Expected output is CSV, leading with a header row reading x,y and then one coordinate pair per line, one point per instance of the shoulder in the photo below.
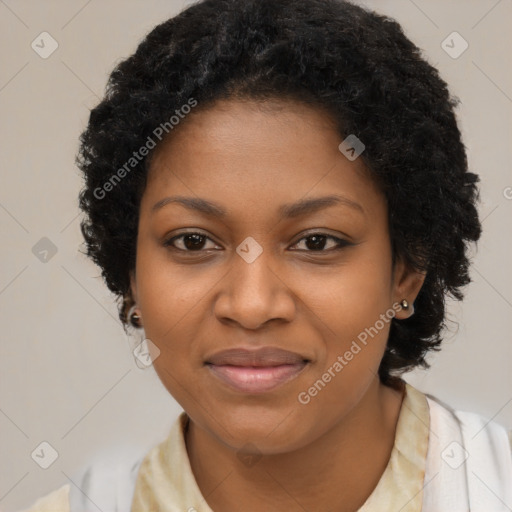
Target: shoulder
x,y
469,461
474,427
107,484
56,501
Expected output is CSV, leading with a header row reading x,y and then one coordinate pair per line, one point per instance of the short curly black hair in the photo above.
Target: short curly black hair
x,y
332,54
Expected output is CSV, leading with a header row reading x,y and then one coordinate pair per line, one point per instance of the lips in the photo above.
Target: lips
x,y
265,356
256,370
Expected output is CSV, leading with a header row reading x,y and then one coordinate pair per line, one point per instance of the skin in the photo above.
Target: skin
x,y
250,159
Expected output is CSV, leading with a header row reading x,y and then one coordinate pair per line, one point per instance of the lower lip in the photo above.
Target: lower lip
x,y
251,379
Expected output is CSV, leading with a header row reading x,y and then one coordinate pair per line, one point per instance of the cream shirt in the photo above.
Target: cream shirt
x,y
165,481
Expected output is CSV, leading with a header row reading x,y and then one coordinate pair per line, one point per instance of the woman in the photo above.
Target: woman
x,y
279,193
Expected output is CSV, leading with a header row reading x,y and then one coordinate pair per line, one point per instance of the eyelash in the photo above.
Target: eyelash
x,y
341,243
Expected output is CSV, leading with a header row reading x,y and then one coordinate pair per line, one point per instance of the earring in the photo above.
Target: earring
x,y
404,303
134,317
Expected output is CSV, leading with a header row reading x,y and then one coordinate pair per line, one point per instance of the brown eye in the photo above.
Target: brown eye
x,y
317,242
188,242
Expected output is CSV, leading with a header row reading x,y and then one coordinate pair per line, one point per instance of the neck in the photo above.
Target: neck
x,y
338,471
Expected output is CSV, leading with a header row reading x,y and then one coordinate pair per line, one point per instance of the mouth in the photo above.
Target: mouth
x,y
256,371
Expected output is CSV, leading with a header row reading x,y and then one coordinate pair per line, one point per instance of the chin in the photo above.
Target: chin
x,y
269,431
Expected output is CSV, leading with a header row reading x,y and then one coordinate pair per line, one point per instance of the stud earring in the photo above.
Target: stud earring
x,y
404,303
134,317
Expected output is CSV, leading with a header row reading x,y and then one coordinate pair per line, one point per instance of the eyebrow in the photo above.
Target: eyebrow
x,y
288,211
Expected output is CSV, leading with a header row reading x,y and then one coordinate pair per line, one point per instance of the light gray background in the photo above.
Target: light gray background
x,y
67,374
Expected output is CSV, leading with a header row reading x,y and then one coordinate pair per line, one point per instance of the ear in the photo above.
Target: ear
x,y
133,285
407,283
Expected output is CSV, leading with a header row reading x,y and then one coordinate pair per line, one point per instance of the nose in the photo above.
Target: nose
x,y
252,294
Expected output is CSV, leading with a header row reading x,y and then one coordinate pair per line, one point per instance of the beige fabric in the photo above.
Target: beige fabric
x,y
165,481
57,501
401,485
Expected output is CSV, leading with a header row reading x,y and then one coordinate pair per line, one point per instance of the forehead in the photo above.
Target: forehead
x,y
236,150
235,125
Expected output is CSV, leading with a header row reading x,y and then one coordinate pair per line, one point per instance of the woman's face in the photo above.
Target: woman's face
x,y
289,251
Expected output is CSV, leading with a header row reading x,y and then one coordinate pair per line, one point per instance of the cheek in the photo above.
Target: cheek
x,y
352,296
352,304
168,293
172,311
169,297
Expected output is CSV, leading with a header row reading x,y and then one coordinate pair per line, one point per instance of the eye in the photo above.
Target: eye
x,y
189,242
316,242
